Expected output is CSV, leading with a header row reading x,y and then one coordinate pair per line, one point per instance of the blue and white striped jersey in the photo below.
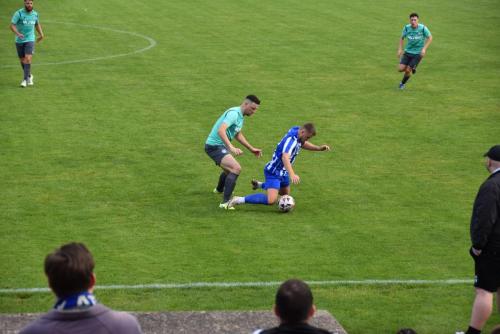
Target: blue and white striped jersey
x,y
290,144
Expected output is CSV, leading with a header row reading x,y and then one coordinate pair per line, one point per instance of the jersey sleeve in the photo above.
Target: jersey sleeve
x,y
427,32
15,18
231,118
289,145
403,33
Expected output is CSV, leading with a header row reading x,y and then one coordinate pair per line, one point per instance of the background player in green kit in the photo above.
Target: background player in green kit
x,y
23,24
419,38
218,145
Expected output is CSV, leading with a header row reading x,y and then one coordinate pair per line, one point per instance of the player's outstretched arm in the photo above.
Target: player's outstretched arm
x,y
241,138
311,147
285,157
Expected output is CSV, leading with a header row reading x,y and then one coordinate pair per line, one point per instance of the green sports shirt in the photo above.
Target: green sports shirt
x,y
233,118
25,23
416,38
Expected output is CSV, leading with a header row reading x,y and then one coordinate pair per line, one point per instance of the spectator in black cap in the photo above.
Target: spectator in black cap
x,y
485,237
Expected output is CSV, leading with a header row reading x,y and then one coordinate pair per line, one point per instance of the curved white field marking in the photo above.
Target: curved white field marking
x,y
152,44
255,284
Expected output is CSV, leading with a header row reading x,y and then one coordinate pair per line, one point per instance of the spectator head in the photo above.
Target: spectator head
x,y
70,269
493,158
406,331
294,302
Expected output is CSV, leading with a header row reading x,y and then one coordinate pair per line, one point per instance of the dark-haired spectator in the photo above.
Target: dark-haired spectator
x,y
70,272
294,307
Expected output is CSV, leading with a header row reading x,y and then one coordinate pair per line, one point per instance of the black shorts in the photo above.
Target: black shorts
x,y
216,152
410,60
487,271
23,49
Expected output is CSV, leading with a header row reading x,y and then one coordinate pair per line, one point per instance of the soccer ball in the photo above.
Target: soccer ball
x,y
286,203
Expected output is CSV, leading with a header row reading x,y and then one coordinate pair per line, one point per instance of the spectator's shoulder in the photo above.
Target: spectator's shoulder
x,y
121,322
37,326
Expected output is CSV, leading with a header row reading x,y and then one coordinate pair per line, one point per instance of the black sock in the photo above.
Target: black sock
x,y
229,186
27,71
22,65
222,180
405,79
472,330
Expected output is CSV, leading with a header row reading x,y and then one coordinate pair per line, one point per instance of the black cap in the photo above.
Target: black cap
x,y
493,153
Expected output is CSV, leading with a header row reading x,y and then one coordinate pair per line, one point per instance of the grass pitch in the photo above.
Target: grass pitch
x,y
110,153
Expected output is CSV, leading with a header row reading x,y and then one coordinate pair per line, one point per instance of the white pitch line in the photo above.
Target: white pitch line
x,y
252,284
152,43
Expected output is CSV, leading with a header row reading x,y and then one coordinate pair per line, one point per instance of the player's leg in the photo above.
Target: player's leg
x,y
284,191
219,189
233,169
414,63
403,67
272,186
21,55
256,184
28,50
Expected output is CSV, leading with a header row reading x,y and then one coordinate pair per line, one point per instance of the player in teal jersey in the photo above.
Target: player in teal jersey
x,y
23,24
219,148
419,38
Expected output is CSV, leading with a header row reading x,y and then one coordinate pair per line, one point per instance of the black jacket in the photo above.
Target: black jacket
x,y
295,329
485,220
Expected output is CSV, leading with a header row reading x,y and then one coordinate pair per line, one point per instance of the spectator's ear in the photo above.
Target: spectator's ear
x,y
276,312
311,312
92,282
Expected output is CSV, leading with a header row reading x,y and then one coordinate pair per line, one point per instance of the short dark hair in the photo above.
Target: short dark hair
x,y
406,331
309,127
413,15
294,300
253,98
69,269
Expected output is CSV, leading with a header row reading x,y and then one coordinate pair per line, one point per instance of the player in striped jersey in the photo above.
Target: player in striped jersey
x,y
279,172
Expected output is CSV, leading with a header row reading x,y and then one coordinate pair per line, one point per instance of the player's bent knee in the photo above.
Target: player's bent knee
x,y
236,170
271,200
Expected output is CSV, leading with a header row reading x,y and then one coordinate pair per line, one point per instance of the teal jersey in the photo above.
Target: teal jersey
x,y
416,38
233,117
25,23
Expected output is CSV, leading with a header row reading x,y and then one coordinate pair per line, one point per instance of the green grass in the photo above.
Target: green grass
x,y
111,153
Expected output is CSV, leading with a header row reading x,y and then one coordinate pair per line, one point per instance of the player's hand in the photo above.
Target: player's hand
x,y
295,179
236,151
422,53
324,148
257,152
400,52
39,39
21,36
